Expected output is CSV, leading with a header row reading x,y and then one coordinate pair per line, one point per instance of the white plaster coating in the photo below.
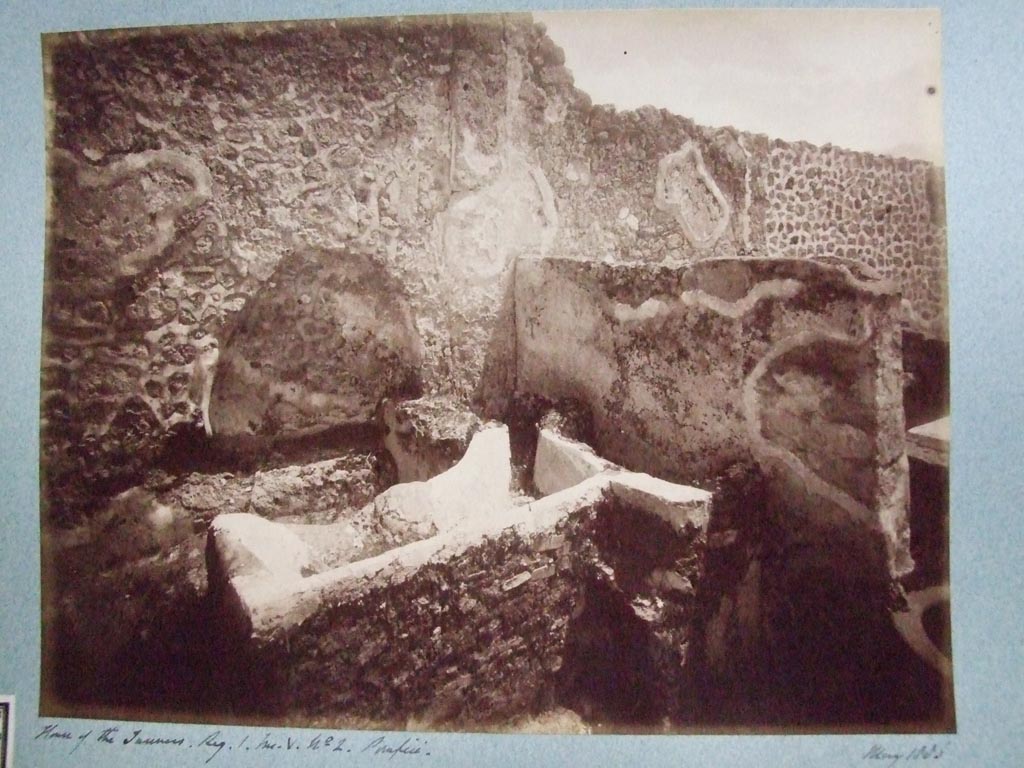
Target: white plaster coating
x,y
274,549
204,370
682,506
270,604
478,485
654,307
561,463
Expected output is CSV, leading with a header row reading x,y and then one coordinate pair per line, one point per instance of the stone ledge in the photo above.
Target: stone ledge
x,y
561,463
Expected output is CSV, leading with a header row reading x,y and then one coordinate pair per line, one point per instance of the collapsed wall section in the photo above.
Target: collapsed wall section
x,y
690,370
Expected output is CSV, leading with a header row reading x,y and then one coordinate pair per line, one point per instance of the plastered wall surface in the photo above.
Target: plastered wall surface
x,y
689,370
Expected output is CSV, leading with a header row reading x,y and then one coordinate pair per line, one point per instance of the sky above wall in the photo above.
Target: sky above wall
x,y
865,80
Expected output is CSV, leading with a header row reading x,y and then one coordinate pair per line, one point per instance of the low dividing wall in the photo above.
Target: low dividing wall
x,y
583,599
688,370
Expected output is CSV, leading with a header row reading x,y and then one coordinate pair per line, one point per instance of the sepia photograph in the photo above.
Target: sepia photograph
x,y
558,372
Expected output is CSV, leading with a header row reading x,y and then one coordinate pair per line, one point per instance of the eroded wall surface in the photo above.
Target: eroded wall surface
x,y
689,370
192,169
321,343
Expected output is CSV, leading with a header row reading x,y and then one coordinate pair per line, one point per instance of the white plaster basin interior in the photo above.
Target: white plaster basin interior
x,y
262,569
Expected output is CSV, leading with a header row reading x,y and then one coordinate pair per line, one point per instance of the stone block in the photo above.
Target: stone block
x,y
427,436
248,561
681,506
244,545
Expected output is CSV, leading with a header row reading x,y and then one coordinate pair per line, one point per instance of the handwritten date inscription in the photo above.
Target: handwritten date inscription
x,y
884,756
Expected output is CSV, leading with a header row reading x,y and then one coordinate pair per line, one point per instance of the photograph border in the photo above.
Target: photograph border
x,y
983,233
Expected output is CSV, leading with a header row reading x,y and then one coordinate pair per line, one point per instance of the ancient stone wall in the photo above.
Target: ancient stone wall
x,y
192,170
188,164
885,212
689,370
514,626
649,186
